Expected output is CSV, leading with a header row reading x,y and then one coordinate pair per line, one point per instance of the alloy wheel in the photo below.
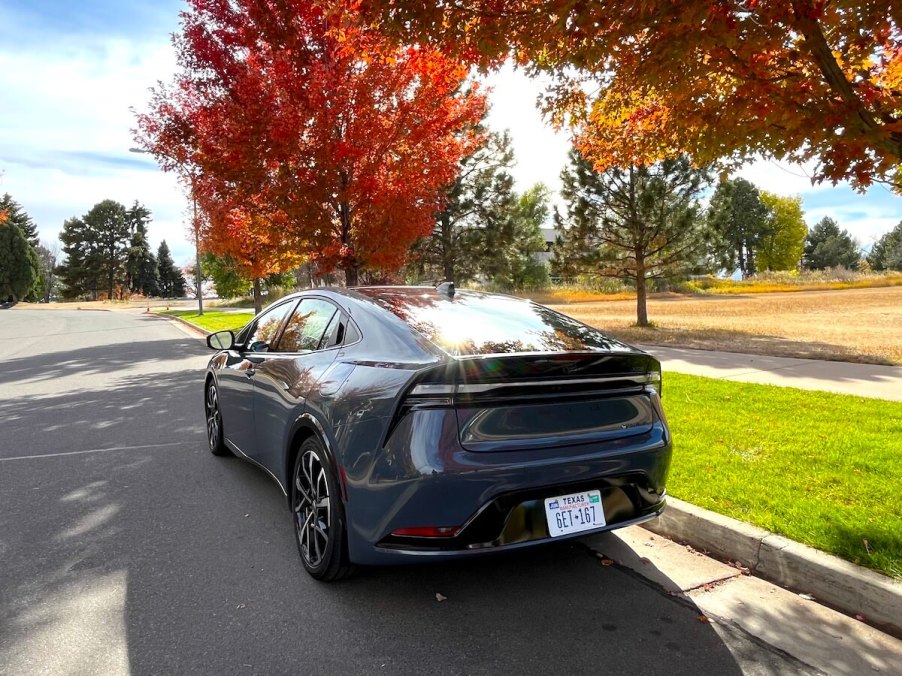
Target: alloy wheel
x,y
214,417
312,508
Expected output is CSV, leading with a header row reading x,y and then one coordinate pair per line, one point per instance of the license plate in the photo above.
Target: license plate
x,y
574,513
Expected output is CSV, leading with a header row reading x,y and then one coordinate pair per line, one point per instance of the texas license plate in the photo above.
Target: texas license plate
x,y
574,513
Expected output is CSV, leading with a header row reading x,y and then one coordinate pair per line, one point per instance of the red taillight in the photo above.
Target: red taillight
x,y
427,532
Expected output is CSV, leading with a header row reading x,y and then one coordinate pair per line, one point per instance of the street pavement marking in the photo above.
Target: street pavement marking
x,y
94,450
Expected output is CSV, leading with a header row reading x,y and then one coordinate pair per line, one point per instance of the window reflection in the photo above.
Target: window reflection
x,y
268,327
476,323
306,326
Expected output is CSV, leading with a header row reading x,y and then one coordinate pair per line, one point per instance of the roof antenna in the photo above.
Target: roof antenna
x,y
446,289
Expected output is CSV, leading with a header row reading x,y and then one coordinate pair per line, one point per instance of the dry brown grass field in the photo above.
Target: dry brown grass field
x,y
859,325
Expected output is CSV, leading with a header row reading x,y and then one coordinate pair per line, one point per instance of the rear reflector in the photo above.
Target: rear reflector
x,y
427,532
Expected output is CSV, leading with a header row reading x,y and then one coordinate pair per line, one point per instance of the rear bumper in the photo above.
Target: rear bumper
x,y
531,531
496,500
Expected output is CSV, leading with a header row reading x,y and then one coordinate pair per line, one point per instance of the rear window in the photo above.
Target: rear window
x,y
474,323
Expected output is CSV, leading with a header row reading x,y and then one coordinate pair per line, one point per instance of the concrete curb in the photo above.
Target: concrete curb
x,y
831,580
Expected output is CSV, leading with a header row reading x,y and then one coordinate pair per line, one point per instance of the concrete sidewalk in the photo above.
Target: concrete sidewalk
x,y
863,380
821,640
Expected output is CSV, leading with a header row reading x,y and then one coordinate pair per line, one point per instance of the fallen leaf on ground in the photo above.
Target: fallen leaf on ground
x,y
605,561
860,618
703,619
440,597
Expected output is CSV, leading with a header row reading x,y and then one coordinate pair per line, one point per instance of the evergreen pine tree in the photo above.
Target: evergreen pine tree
x,y
80,272
108,228
19,265
637,224
519,267
886,254
16,215
172,282
829,247
575,251
141,269
460,245
740,223
137,216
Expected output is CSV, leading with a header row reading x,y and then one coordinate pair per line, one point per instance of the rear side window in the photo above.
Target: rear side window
x,y
473,323
266,329
307,325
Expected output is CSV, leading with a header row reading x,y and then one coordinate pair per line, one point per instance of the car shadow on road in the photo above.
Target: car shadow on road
x,y
129,410
101,359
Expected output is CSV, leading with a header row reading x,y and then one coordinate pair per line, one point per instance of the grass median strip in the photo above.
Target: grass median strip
x,y
822,469
213,320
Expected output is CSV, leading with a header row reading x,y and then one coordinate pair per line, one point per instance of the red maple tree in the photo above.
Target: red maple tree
x,y
339,139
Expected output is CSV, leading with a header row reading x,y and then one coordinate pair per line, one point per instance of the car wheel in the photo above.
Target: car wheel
x,y
214,421
318,512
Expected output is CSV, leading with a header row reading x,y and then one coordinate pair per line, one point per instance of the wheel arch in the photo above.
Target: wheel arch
x,y
305,427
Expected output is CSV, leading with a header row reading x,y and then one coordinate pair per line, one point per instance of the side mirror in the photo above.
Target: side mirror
x,y
221,340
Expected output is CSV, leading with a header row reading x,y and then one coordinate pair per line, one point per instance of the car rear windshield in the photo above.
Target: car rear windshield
x,y
474,323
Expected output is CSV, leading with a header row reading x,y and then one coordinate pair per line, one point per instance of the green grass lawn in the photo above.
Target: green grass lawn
x,y
823,469
213,320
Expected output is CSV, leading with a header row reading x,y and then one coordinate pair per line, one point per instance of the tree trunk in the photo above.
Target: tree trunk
x,y
447,253
352,276
258,296
641,293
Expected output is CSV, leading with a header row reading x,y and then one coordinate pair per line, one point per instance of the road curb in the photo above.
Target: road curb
x,y
831,580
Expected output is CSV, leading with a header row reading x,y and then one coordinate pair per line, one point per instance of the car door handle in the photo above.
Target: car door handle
x,y
254,361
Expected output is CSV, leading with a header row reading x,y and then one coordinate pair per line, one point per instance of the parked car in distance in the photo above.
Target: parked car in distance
x,y
408,423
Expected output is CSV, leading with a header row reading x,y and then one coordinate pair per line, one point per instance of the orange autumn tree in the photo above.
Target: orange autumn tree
x,y
719,79
298,108
252,239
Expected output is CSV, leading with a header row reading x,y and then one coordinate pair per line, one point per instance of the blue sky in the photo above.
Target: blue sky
x,y
71,71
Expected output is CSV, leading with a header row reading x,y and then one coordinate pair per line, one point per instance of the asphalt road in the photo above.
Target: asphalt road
x,y
125,547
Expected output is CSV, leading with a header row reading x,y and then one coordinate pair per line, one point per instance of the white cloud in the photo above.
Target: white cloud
x,y
781,178
65,131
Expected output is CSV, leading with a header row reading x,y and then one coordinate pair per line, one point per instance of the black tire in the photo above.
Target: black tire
x,y
213,415
318,514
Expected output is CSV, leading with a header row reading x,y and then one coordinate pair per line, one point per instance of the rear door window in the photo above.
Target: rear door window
x,y
266,329
307,325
